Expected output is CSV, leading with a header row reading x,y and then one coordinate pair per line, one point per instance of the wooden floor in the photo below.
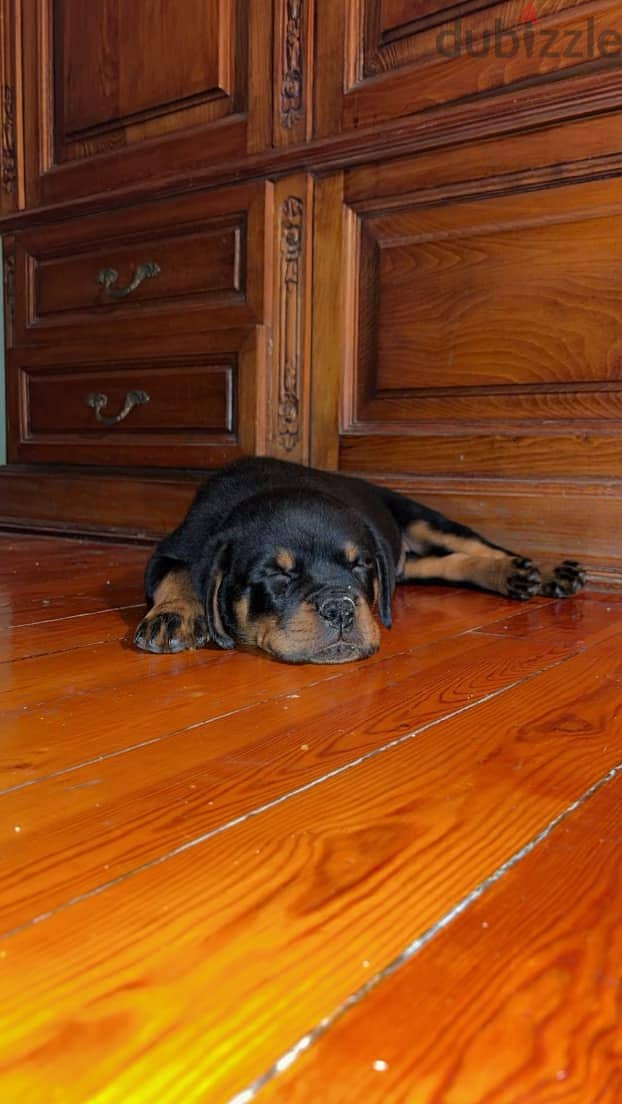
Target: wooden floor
x,y
222,877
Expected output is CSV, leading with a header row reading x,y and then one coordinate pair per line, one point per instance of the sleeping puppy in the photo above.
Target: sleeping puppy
x,y
295,561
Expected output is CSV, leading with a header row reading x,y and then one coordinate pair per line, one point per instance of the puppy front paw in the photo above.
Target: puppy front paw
x,y
171,630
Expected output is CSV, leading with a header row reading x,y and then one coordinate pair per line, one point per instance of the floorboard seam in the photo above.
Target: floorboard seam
x,y
261,701
289,1056
87,613
275,802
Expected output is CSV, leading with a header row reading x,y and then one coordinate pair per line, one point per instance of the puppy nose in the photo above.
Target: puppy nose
x,y
338,610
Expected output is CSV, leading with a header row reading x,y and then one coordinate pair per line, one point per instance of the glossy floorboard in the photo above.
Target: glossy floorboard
x,y
225,878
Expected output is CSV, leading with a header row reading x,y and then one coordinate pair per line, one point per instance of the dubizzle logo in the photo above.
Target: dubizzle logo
x,y
580,43
528,14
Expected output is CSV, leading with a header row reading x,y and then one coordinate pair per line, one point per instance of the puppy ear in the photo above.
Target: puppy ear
x,y
207,577
385,571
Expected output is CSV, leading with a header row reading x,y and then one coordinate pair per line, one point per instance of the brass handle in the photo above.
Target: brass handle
x,y
106,277
99,401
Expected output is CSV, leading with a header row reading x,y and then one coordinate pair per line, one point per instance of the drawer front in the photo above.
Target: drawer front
x,y
186,411
191,263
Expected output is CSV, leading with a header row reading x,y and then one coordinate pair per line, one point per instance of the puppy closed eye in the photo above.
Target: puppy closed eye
x,y
281,576
362,567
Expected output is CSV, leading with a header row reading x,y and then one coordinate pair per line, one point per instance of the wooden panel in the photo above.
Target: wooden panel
x,y
202,262
500,309
210,251
11,145
518,455
202,411
405,58
119,77
78,500
515,1000
111,78
192,398
479,337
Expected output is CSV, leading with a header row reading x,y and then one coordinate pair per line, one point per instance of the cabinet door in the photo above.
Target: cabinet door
x,y
118,89
468,338
382,60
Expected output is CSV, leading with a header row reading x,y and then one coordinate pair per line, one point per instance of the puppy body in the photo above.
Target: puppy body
x,y
292,560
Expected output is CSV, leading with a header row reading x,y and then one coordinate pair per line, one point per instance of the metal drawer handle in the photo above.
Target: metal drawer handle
x,y
106,277
99,401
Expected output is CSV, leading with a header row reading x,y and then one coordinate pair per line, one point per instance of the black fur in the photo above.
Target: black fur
x,y
246,512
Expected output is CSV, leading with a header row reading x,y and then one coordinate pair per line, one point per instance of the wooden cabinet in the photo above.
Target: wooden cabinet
x,y
135,271
387,59
140,407
378,235
119,91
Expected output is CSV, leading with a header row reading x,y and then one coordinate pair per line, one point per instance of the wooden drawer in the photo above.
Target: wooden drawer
x,y
192,410
194,262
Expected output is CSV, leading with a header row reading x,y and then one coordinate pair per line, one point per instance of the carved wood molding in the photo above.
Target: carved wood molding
x,y
9,292
290,322
291,75
9,164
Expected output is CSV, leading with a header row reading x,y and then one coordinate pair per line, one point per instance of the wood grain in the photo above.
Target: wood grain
x,y
209,887
312,871
444,79
222,955
40,583
517,1000
145,79
56,715
228,766
210,248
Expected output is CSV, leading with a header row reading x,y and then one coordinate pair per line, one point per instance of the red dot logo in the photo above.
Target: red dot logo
x,y
528,14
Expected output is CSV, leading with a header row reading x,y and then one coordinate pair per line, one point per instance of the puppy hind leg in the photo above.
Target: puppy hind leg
x,y
434,547
505,574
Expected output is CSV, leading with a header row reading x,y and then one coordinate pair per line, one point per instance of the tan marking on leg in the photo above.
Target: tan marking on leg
x,y
420,534
176,586
174,595
492,574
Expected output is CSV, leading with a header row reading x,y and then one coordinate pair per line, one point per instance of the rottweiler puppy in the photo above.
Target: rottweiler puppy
x,y
294,561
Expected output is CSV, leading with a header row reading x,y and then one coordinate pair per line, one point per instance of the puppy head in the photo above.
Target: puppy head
x,y
297,575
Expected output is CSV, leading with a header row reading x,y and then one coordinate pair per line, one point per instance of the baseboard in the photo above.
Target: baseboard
x,y
550,520
114,505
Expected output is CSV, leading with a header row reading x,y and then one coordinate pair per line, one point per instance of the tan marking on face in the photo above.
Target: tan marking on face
x,y
367,625
351,552
285,559
304,634
420,535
